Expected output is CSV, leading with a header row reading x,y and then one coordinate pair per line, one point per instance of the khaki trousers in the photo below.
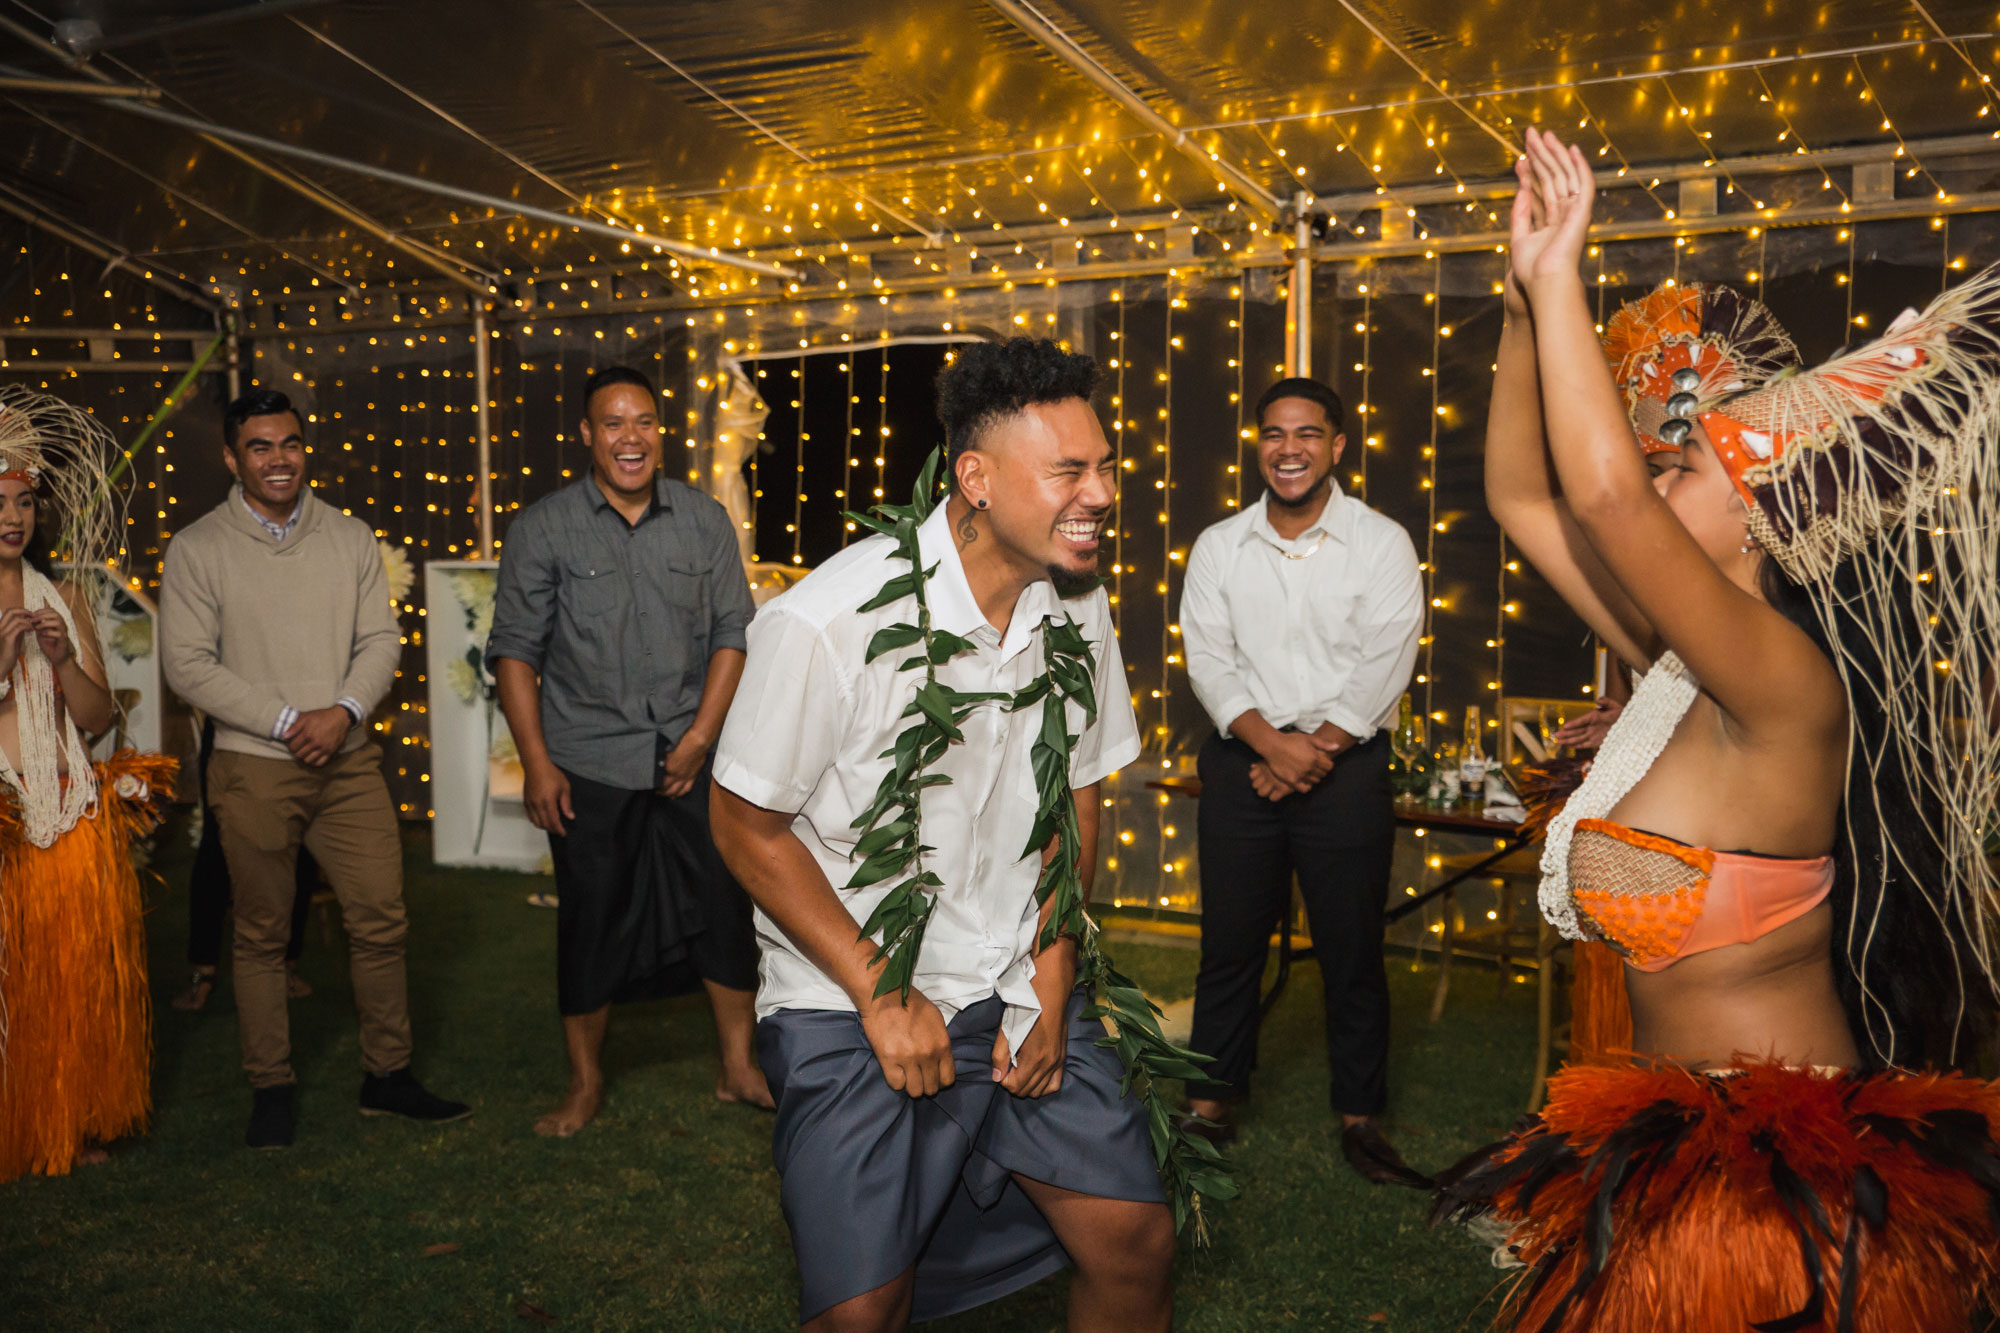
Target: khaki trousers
x,y
267,809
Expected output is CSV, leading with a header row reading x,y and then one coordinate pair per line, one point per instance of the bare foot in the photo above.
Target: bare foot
x,y
296,986
92,1156
746,1086
197,993
578,1109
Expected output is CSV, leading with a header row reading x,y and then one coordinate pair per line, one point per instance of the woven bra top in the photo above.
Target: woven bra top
x,y
1656,900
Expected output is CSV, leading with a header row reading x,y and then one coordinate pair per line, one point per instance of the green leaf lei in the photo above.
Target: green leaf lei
x,y
891,845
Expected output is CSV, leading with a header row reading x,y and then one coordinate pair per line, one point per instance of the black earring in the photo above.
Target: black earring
x,y
982,504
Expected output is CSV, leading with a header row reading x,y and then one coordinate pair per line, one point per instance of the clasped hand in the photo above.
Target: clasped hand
x,y
51,635
317,735
1295,763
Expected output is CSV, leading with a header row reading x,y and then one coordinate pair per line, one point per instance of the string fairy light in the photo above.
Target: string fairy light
x,y
1368,439
882,420
847,449
1685,118
1236,398
1432,602
1168,555
799,465
1799,145
1593,120
1119,462
1868,94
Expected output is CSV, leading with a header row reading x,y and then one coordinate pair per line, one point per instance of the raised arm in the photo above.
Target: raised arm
x,y
1753,661
1524,497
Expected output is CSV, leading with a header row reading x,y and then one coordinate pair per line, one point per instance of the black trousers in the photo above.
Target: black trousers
x,y
209,890
645,907
1339,840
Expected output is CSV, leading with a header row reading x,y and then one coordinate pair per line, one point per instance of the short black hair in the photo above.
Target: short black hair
x,y
987,382
1310,390
610,377
256,403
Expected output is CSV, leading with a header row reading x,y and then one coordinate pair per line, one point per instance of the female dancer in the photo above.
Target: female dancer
x,y
1780,834
75,1032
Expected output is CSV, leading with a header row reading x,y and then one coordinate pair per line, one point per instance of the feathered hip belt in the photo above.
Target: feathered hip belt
x,y
1768,1197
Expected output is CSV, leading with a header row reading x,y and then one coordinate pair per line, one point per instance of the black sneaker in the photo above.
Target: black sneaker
x,y
270,1118
398,1093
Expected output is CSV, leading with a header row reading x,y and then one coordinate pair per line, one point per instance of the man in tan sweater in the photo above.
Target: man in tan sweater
x,y
275,621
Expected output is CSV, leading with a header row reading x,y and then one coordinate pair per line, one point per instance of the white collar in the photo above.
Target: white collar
x,y
954,608
1330,523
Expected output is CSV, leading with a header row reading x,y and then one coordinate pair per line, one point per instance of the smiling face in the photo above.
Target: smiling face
x,y
621,427
268,459
17,517
1297,448
1701,495
1046,474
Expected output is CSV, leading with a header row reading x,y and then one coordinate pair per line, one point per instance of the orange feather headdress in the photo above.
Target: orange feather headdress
x,y
1680,348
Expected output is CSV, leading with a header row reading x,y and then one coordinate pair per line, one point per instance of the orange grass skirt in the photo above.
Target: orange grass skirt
x,y
76,1055
1772,1198
1600,1015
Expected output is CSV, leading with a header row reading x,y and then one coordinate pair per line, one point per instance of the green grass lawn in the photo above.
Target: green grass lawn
x,y
664,1214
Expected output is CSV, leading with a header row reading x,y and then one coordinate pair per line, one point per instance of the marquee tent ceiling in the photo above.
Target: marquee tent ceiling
x,y
786,129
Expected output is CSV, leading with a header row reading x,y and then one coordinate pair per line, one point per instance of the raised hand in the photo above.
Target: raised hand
x,y
1551,217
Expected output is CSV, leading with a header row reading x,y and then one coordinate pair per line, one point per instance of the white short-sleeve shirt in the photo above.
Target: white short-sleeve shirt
x,y
809,727
1324,627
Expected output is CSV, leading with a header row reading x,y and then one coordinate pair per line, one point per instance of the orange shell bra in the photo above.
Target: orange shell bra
x,y
1656,901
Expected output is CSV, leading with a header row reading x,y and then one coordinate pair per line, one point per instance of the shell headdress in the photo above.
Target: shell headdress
x,y
1678,349
68,457
1873,480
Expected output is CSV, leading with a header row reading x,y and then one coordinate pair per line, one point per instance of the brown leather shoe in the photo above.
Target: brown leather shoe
x,y
1369,1153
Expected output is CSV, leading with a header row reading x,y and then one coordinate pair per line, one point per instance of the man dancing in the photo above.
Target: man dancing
x,y
943,1147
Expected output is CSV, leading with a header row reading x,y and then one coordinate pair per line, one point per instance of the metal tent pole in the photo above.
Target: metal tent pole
x,y
482,383
230,328
1301,297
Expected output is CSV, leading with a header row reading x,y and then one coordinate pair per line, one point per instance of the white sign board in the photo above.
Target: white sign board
x,y
127,622
475,773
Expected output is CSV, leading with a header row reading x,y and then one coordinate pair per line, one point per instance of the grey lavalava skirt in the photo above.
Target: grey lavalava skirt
x,y
875,1182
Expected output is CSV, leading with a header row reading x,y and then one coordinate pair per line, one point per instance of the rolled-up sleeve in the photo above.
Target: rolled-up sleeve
x,y
1112,741
729,586
524,603
1209,639
783,729
1389,623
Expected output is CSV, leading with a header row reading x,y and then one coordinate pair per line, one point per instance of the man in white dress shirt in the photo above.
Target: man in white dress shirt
x,y
1301,617
940,1153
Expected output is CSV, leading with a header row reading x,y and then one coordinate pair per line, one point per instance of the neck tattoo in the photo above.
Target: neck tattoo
x,y
967,533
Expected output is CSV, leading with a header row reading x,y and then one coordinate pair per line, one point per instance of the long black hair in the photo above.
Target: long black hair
x,y
1911,983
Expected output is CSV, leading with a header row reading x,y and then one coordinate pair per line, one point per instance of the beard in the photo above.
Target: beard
x,y
1074,582
1312,495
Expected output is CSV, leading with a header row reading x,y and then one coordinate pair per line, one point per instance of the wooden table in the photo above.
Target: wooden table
x,y
1408,814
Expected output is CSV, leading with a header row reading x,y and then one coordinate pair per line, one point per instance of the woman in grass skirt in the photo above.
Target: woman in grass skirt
x,y
1780,834
75,1026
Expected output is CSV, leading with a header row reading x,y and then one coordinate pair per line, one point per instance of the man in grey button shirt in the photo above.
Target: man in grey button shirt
x,y
618,639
